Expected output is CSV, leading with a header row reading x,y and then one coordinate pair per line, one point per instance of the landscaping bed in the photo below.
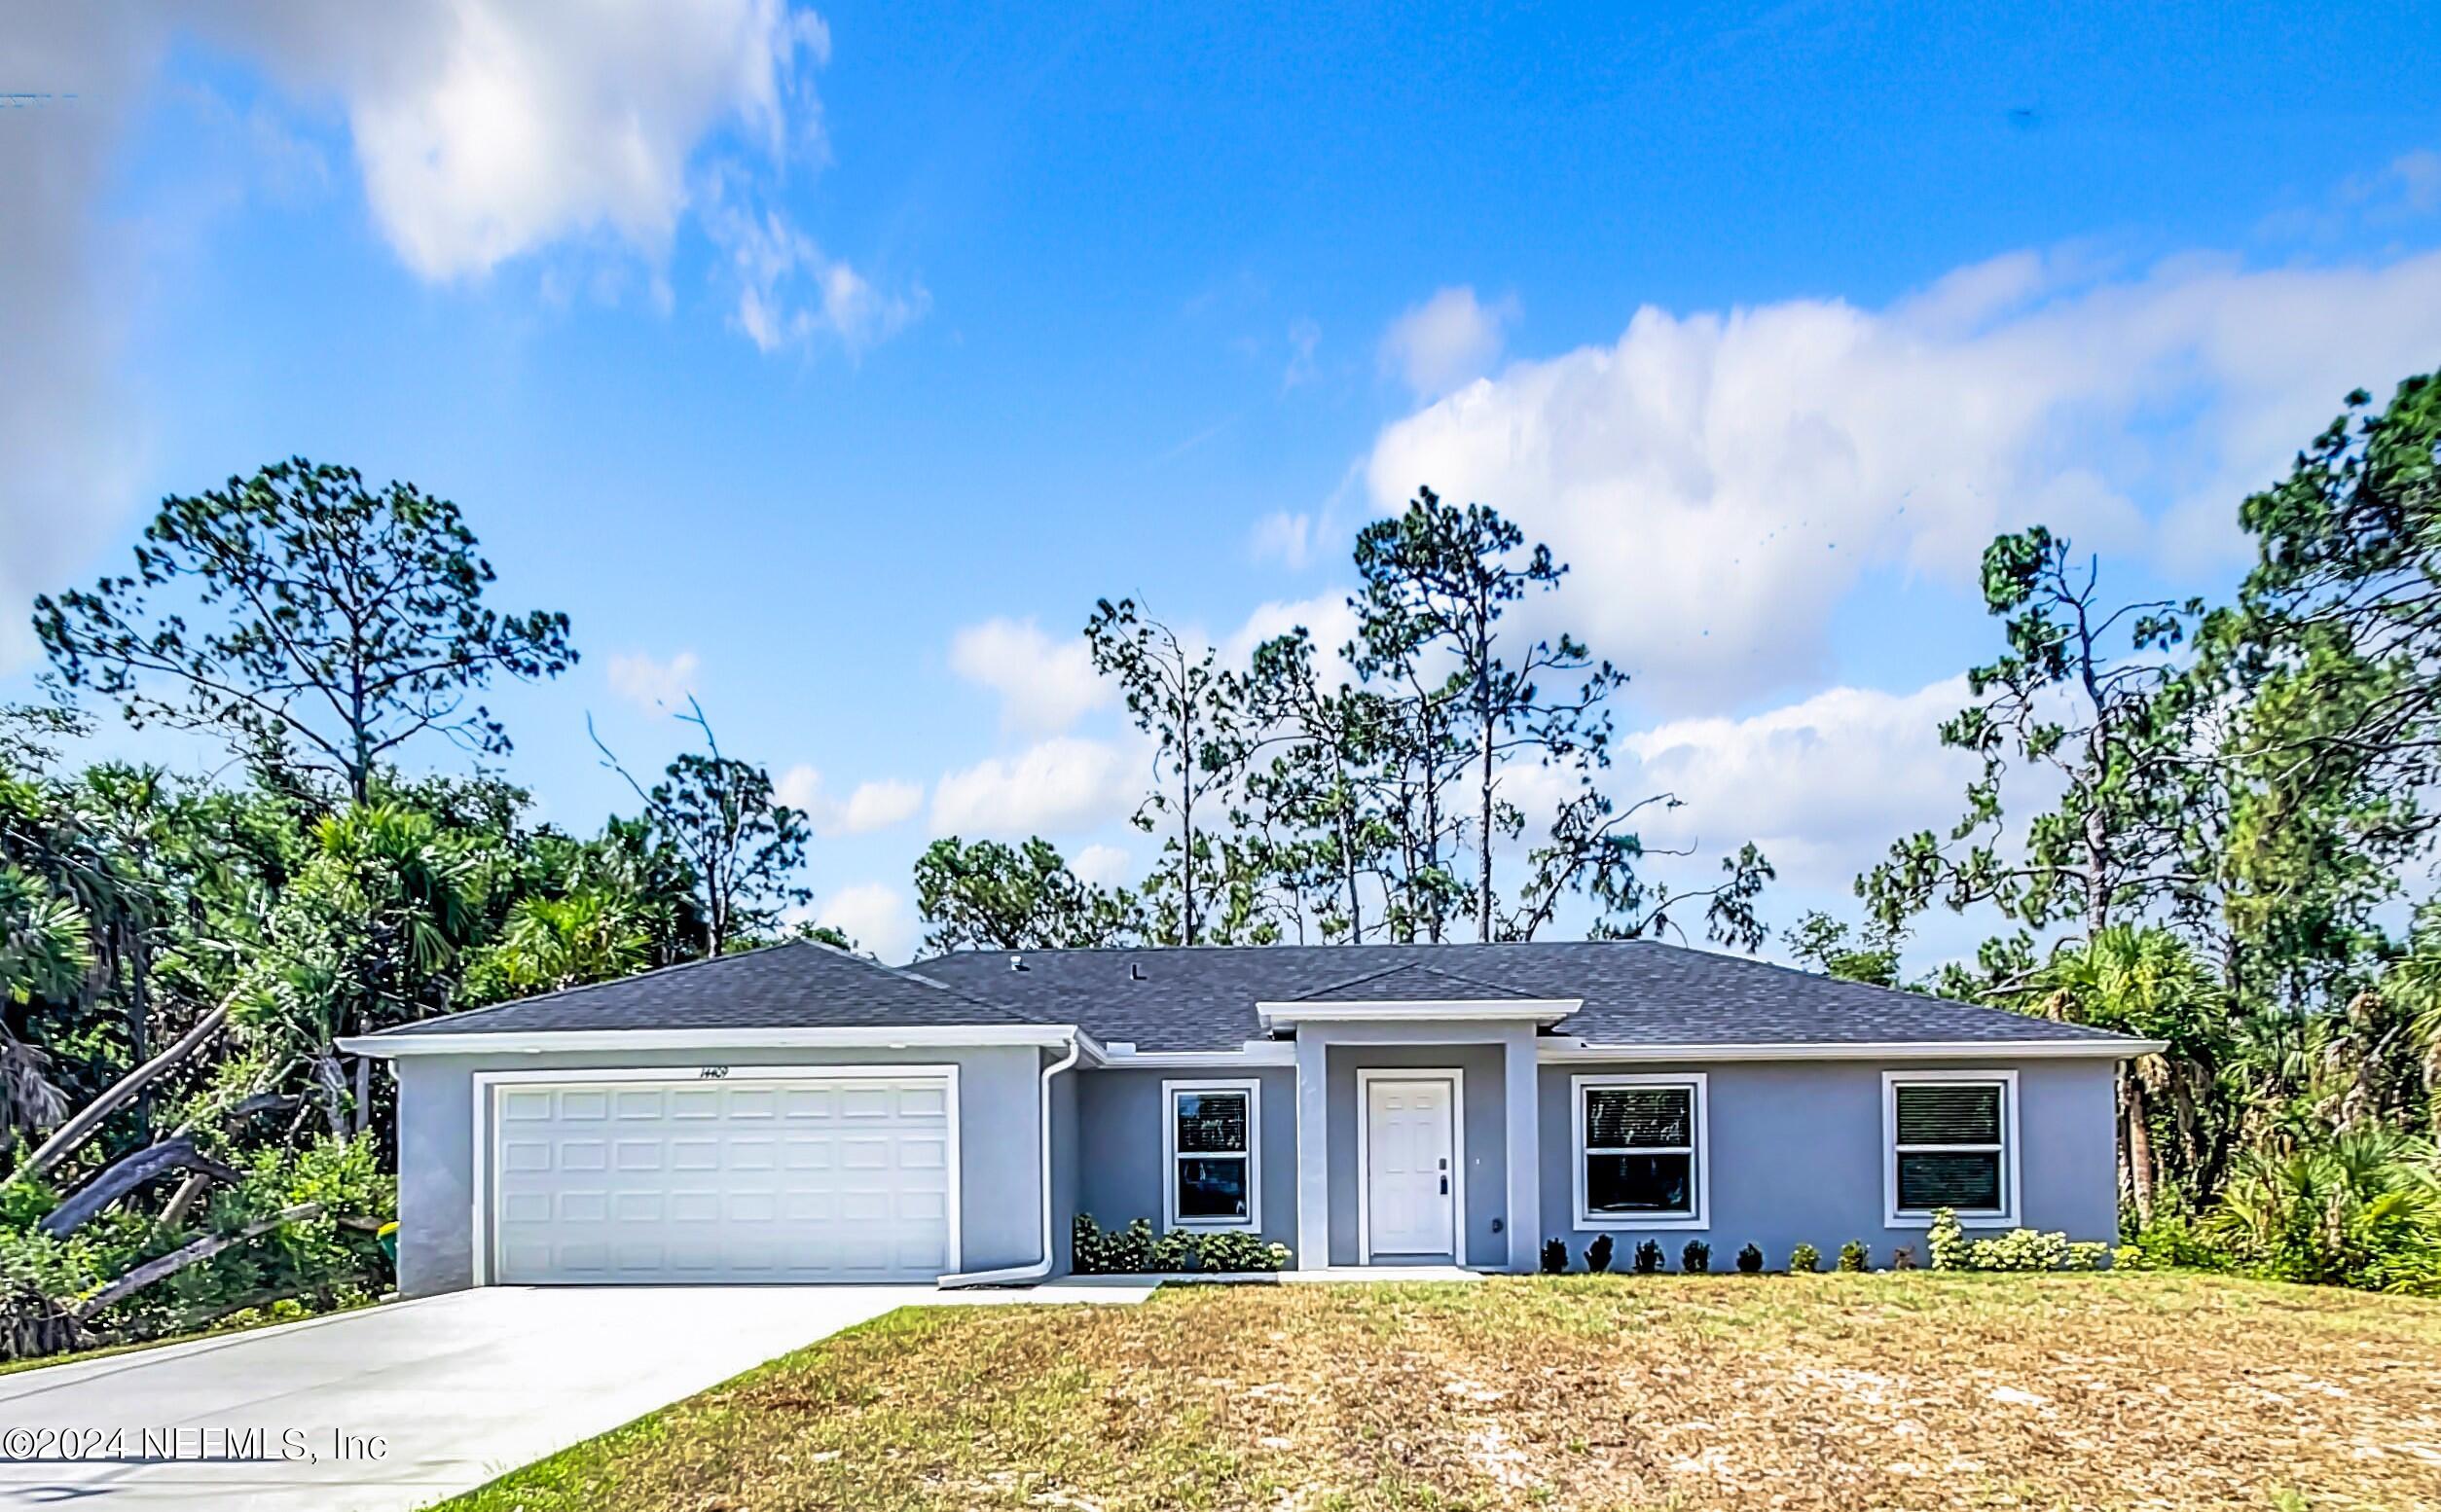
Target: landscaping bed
x,y
1916,1391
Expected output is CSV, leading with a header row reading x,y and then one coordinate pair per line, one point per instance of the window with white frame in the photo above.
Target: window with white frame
x,y
1950,1138
1212,1178
1640,1151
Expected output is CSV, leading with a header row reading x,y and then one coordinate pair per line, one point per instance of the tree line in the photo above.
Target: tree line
x,y
1387,802
2205,823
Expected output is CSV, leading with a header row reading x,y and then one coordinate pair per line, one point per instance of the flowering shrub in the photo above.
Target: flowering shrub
x,y
1804,1259
1854,1256
2019,1249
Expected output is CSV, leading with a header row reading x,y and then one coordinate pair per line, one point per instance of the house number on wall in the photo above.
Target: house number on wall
x,y
711,1073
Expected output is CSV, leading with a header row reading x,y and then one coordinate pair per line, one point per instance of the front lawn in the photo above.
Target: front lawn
x,y
1829,1392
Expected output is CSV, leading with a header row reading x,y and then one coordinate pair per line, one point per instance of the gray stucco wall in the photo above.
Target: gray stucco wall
x,y
1118,1156
1486,1151
999,1172
1797,1156
1064,1135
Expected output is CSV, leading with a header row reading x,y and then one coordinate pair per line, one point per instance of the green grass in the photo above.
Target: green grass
x,y
1823,1391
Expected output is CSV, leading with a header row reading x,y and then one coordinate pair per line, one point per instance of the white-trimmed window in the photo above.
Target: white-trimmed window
x,y
1212,1166
1642,1154
1951,1141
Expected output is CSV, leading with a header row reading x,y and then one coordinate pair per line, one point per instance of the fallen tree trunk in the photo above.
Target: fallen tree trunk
x,y
163,1267
182,1201
126,1174
70,1136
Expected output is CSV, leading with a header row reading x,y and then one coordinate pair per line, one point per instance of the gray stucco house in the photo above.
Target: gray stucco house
x,y
799,1114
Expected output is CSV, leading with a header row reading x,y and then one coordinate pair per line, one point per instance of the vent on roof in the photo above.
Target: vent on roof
x,y
1134,972
1016,963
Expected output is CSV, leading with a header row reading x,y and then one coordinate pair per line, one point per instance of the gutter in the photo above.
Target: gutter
x,y
392,1044
1552,1052
1027,1274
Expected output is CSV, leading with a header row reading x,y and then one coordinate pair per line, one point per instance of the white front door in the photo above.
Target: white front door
x,y
1411,1206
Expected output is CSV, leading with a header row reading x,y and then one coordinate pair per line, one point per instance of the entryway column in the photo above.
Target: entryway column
x,y
1313,1151
1521,1087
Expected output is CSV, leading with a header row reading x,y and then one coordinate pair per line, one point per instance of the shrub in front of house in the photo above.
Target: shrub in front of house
x,y
1098,1251
1649,1257
1805,1260
1597,1255
1750,1260
1234,1251
1695,1258
2019,1249
1947,1240
1137,1250
1854,1256
1554,1256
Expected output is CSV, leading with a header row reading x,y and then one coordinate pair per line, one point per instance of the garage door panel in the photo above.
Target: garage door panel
x,y
749,1181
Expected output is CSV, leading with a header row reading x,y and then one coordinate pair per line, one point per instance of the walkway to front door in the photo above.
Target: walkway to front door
x,y
1414,1190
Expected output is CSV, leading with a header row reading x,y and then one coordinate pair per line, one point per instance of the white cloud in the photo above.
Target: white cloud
x,y
486,129
650,684
483,130
790,293
1720,482
1446,340
1284,536
873,805
1064,786
1103,866
1304,335
1046,685
66,429
876,915
1326,615
1822,785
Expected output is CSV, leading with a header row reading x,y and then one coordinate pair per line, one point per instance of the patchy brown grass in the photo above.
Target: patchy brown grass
x,y
1830,1392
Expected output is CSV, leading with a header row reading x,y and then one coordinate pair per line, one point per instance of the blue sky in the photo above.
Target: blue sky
x,y
830,365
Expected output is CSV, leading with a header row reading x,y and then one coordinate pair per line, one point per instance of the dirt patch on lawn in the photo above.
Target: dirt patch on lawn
x,y
1908,1391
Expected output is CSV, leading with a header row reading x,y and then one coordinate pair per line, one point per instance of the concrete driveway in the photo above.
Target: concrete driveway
x,y
403,1405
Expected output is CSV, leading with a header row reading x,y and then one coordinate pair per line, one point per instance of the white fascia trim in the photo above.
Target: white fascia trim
x,y
1534,1010
1255,1051
836,1037
1563,1052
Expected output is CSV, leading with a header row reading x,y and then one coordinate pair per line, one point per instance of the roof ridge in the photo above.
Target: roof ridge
x,y
559,995
1395,969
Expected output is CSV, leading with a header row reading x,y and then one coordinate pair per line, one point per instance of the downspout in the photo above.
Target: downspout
x,y
1025,1275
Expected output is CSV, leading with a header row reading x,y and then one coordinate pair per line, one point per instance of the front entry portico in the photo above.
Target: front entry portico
x,y
1386,1091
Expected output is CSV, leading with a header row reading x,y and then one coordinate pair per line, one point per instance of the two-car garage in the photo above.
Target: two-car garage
x,y
780,1174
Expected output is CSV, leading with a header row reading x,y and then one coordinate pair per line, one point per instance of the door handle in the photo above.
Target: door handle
x,y
1445,1186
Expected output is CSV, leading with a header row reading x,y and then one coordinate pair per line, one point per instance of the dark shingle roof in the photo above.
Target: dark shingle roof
x,y
1635,993
1408,984
802,984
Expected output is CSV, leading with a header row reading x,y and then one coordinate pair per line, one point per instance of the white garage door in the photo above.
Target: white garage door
x,y
754,1177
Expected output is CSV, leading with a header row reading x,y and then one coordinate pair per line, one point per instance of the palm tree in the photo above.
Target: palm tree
x,y
2145,982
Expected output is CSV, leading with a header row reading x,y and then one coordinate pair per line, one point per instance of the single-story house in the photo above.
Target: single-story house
x,y
801,1114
